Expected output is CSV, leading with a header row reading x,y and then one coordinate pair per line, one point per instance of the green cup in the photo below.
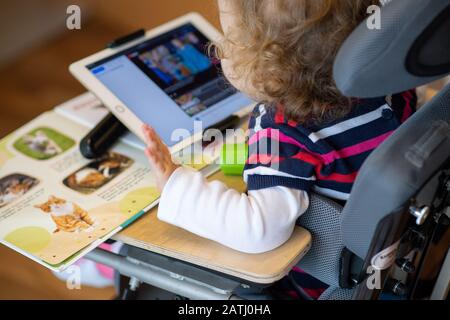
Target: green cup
x,y
233,158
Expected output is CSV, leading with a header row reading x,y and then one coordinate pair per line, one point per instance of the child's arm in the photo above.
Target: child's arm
x,y
257,222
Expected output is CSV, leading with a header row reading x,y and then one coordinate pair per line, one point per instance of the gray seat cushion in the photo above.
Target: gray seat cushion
x,y
333,293
323,220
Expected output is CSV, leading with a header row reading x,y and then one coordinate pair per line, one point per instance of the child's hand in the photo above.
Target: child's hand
x,y
158,156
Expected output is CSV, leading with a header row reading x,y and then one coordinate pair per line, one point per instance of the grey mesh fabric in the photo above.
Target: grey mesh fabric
x,y
336,293
323,220
372,63
396,170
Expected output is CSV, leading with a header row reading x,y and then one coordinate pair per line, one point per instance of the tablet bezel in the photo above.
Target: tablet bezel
x,y
80,71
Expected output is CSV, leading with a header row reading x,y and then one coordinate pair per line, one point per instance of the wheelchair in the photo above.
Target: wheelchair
x,y
391,239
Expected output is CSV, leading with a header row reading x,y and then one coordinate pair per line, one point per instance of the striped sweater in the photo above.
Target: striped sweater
x,y
323,158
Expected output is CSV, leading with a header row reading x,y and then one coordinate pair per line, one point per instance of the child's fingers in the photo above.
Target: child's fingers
x,y
155,137
149,154
151,137
146,128
162,146
147,134
157,166
152,152
155,146
154,155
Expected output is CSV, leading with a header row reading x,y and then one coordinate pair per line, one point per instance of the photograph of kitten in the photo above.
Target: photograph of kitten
x,y
68,216
98,173
14,186
40,142
43,143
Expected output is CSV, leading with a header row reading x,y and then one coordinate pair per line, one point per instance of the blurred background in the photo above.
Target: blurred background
x,y
36,49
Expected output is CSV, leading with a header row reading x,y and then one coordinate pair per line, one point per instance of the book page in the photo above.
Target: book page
x,y
87,110
54,202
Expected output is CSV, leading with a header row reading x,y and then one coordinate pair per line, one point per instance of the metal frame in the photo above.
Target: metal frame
x,y
192,283
442,286
414,235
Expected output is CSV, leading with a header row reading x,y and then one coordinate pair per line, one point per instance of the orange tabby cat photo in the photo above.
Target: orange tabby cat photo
x,y
68,216
98,173
15,186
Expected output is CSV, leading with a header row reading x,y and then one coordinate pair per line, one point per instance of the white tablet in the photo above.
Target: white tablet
x,y
165,79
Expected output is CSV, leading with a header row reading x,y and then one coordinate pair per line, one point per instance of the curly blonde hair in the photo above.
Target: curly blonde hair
x,y
285,49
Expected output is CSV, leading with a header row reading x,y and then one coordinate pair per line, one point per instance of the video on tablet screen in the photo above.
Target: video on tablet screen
x,y
177,62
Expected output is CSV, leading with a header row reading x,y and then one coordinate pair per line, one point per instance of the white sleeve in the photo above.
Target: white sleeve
x,y
253,223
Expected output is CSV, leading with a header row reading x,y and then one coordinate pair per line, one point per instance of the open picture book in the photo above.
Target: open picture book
x,y
55,205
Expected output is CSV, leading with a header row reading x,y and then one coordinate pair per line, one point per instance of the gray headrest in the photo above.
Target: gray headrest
x,y
411,48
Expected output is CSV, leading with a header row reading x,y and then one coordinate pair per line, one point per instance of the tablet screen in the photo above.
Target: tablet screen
x,y
169,81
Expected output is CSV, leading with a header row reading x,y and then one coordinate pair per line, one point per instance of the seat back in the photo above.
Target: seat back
x,y
336,293
392,174
410,49
323,221
396,171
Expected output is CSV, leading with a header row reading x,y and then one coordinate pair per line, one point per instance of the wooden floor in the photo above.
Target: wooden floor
x,y
32,84
39,80
21,278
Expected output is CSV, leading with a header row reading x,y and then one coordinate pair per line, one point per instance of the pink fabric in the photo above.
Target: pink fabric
x,y
105,271
407,112
263,159
355,149
276,134
328,157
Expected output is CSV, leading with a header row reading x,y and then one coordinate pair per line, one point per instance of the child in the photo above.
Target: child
x,y
281,52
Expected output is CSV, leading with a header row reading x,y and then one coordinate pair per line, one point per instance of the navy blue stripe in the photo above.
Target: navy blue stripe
x,y
264,146
360,134
347,165
257,182
361,107
291,166
334,185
